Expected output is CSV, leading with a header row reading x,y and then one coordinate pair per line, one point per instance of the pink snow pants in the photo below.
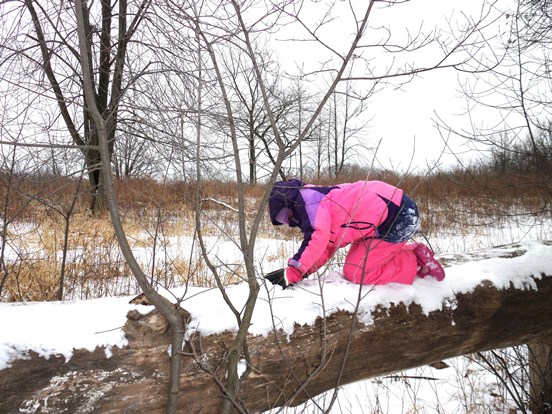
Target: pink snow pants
x,y
377,262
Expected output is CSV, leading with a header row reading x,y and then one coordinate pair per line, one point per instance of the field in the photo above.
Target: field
x,y
52,248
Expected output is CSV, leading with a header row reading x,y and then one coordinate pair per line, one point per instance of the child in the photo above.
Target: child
x,y
376,218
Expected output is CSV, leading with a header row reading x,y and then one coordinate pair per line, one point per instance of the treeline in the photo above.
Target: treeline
x,y
509,176
510,173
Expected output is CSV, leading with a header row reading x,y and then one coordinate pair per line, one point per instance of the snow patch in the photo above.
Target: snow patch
x,y
58,328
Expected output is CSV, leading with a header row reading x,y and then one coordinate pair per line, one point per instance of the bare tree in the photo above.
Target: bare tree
x,y
171,313
134,157
511,86
254,123
43,60
345,130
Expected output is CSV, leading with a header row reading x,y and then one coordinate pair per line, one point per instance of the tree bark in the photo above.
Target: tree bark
x,y
135,378
540,365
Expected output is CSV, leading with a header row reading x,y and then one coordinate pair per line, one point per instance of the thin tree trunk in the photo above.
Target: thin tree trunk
x,y
67,220
540,371
169,311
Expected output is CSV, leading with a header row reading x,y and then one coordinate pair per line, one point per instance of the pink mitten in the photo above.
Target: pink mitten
x,y
293,275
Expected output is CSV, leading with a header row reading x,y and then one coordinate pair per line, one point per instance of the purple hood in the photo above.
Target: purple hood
x,y
283,196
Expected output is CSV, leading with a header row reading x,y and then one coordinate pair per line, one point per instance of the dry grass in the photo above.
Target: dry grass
x,y
25,285
94,266
156,215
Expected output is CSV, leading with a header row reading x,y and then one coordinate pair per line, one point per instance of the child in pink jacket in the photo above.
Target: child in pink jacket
x,y
374,217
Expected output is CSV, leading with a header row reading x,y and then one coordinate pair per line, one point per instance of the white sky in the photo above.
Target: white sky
x,y
403,119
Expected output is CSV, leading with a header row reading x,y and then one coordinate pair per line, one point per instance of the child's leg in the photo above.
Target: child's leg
x,y
379,262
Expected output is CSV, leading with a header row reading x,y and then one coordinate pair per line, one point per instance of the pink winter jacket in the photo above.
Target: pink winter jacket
x,y
333,217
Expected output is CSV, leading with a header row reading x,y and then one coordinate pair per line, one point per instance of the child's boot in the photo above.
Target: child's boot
x,y
427,264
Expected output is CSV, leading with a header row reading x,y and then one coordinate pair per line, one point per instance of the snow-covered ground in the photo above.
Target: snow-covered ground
x,y
57,328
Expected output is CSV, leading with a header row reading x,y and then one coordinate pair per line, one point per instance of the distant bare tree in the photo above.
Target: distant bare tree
x,y
346,126
133,157
252,121
42,58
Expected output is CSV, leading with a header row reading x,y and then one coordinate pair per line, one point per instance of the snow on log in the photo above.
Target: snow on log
x,y
289,368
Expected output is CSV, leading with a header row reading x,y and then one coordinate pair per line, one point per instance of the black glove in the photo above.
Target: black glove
x,y
278,277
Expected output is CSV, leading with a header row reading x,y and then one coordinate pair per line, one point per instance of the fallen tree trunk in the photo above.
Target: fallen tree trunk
x,y
290,372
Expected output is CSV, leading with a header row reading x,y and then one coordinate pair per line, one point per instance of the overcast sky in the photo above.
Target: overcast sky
x,y
404,118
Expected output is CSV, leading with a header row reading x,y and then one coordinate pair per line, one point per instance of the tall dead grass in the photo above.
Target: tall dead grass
x,y
35,217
